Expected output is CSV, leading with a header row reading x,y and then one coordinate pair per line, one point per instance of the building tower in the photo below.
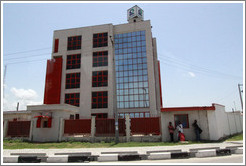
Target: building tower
x,y
106,67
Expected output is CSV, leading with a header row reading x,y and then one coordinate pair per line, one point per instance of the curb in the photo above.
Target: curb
x,y
108,157
206,153
159,156
119,156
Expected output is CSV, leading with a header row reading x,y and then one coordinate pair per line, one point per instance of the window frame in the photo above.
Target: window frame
x,y
73,79
76,98
100,58
99,100
70,59
100,78
187,120
74,42
100,40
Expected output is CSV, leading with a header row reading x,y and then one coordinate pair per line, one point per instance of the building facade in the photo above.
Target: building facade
x,y
109,70
106,68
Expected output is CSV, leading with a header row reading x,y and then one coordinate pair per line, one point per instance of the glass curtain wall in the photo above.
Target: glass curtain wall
x,y
131,70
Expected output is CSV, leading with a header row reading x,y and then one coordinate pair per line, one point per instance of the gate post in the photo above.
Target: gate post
x,y
31,128
61,131
93,127
128,129
5,130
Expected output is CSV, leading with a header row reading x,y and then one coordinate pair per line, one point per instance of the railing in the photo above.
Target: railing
x,y
106,127
77,126
145,126
18,128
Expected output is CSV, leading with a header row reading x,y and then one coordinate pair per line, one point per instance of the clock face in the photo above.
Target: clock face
x,y
134,12
140,12
131,12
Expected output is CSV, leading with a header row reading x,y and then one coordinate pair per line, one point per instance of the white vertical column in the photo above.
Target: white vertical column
x,y
93,127
5,130
61,131
128,128
31,128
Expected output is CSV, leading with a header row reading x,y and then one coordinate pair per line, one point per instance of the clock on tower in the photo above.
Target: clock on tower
x,y
135,14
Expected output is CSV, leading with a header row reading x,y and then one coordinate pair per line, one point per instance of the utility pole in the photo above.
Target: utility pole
x,y
234,106
115,98
17,108
4,79
240,91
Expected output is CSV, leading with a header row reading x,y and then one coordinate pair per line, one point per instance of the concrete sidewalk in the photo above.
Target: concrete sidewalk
x,y
204,149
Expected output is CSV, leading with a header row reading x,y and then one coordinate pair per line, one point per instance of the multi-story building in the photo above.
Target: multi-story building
x,y
109,70
106,68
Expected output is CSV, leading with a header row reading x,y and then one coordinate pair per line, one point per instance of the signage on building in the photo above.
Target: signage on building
x,y
135,12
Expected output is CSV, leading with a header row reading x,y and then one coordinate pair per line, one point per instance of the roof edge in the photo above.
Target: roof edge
x,y
196,108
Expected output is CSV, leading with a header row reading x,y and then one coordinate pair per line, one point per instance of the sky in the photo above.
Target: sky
x,y
199,45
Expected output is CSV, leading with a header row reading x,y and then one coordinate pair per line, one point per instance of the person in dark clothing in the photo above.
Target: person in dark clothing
x,y
171,131
197,129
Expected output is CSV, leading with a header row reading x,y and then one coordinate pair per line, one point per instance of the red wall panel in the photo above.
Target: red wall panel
x,y
52,90
106,127
19,128
145,126
77,126
56,45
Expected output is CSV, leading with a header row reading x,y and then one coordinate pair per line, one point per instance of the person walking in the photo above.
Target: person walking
x,y
171,131
180,130
197,130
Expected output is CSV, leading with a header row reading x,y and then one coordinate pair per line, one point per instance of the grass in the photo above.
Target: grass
x,y
19,144
237,137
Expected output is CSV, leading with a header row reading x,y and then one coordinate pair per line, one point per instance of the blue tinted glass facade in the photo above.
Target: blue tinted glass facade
x,y
131,70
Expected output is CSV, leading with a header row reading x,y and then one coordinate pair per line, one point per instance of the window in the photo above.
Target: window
x,y
99,78
100,58
183,118
100,40
73,61
56,45
72,80
71,116
74,43
99,100
46,122
100,115
72,98
134,114
131,70
76,116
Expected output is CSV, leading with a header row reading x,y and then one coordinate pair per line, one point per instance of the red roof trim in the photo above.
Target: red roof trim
x,y
41,116
187,108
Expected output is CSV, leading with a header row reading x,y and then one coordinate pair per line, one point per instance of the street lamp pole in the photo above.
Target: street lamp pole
x,y
240,94
115,98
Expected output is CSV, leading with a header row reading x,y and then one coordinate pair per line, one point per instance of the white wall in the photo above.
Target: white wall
x,y
222,124
19,115
236,122
215,124
200,116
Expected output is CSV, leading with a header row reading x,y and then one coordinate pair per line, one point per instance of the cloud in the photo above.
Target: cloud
x,y
192,74
23,94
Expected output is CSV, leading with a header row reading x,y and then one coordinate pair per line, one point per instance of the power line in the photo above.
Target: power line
x,y
26,61
20,52
177,63
198,71
27,56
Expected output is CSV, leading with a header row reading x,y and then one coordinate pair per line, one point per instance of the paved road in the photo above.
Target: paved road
x,y
235,158
140,150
